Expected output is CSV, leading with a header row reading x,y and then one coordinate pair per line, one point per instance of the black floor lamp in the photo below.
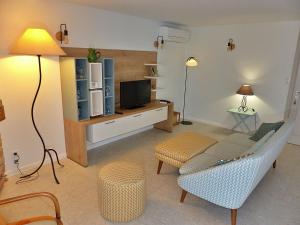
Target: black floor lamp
x,y
190,62
38,42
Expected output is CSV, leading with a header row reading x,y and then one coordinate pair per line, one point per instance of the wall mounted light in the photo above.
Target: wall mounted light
x,y
159,41
63,34
230,45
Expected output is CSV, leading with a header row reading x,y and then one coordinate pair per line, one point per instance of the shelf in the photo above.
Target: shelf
x,y
82,100
157,89
81,79
150,64
108,78
109,96
152,77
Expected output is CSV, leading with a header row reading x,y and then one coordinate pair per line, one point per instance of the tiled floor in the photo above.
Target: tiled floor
x,y
276,200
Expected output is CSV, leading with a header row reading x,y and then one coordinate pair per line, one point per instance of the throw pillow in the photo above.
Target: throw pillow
x,y
264,129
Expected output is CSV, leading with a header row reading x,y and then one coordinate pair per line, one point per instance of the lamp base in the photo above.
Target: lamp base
x,y
185,122
243,108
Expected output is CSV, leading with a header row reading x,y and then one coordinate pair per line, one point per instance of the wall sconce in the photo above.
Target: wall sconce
x,y
230,45
63,34
159,41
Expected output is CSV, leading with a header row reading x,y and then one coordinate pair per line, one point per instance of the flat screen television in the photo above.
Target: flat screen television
x,y
134,94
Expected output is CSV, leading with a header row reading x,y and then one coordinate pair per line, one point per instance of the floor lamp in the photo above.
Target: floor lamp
x,y
38,42
190,62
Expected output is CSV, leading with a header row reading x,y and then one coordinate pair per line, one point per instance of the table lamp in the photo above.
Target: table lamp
x,y
244,90
190,62
38,42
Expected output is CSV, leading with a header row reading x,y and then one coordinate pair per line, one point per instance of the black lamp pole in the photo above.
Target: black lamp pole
x,y
46,150
185,122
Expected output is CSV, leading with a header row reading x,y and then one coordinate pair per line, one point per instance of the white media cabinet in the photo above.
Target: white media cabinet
x,y
103,128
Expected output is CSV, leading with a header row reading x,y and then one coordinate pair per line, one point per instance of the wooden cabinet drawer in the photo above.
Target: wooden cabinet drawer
x,y
112,128
105,130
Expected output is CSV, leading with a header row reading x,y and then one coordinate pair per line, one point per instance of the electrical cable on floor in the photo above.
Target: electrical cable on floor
x,y
24,179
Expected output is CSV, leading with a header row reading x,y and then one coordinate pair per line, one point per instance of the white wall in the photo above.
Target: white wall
x,y
170,59
263,57
88,27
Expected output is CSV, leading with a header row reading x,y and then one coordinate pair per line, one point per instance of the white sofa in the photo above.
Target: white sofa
x,y
228,185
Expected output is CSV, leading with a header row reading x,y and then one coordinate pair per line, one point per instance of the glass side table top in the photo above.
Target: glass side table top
x,y
249,112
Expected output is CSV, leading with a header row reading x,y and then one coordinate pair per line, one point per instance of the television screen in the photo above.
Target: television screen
x,y
135,93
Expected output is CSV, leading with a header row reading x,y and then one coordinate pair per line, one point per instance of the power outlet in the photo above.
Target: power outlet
x,y
16,158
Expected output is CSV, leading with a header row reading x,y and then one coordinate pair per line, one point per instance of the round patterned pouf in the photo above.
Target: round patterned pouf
x,y
121,191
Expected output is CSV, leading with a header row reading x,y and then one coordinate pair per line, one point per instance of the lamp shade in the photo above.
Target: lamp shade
x,y
191,62
245,89
36,41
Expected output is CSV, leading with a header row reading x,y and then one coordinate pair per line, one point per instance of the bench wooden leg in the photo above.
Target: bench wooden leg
x,y
160,163
183,194
274,164
233,216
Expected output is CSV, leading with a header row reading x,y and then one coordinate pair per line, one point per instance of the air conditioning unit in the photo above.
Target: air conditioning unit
x,y
174,34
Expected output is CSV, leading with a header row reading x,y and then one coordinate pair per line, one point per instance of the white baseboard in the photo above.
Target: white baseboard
x,y
294,140
209,122
110,140
32,166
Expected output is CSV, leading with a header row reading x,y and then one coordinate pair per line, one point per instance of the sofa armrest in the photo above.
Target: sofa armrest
x,y
36,195
227,185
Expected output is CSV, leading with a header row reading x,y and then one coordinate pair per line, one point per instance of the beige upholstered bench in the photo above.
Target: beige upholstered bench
x,y
121,191
177,150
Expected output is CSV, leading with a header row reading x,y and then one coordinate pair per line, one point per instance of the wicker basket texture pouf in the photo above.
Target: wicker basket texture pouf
x,y
121,191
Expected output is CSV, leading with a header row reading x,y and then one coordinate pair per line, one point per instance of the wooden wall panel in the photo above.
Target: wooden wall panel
x,y
129,65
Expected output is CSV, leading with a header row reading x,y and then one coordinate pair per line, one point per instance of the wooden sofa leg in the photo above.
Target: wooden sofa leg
x,y
183,194
160,163
233,216
274,164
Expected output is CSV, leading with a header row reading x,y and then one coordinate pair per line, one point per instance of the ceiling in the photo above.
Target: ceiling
x,y
203,12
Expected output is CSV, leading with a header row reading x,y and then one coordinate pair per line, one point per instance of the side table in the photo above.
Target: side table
x,y
241,117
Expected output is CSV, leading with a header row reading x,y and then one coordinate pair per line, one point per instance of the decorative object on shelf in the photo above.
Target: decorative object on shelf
x,y
159,41
107,91
190,62
2,113
93,55
63,34
244,90
38,42
230,45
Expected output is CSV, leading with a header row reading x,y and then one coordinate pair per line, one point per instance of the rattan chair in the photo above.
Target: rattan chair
x,y
56,219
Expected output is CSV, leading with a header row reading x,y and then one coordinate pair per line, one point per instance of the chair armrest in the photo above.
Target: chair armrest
x,y
35,195
226,185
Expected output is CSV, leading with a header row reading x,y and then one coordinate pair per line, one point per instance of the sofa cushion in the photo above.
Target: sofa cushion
x,y
226,150
198,163
224,161
259,143
264,129
240,139
221,150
